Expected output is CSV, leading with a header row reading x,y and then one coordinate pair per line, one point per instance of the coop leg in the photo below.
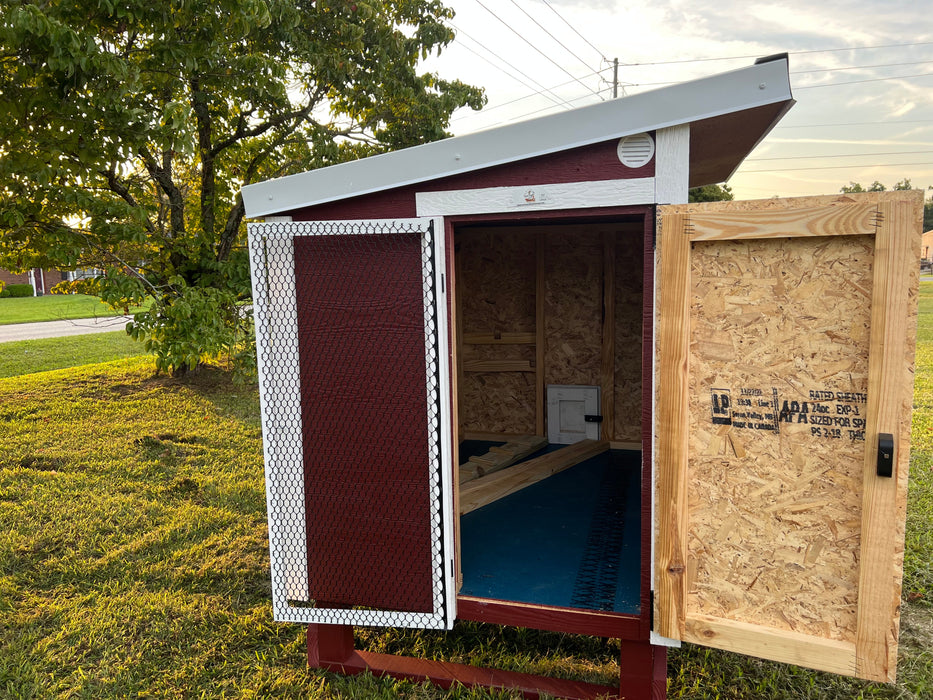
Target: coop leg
x,y
329,644
642,671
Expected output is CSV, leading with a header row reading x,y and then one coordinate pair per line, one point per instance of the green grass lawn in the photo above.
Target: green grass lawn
x,y
134,563
54,307
27,356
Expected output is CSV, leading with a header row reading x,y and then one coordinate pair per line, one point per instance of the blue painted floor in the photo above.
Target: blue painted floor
x,y
572,540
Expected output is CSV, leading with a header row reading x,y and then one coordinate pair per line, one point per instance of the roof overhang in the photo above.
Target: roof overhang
x,y
729,114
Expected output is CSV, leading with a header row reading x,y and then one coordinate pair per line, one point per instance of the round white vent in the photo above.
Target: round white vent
x,y
636,150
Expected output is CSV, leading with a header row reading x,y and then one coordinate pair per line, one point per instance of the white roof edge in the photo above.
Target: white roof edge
x,y
724,93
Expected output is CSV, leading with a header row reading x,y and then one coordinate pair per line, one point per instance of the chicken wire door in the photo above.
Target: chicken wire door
x,y
352,348
785,354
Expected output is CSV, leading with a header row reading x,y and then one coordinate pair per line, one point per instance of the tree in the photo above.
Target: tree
x,y
710,193
904,184
876,186
855,187
128,127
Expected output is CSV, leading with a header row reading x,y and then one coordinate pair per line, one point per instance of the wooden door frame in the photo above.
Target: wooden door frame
x,y
616,625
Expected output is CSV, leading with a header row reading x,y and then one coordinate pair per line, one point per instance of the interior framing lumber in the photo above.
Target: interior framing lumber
x,y
500,457
480,492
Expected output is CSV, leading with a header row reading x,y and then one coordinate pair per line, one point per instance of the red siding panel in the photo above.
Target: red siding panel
x,y
363,396
598,161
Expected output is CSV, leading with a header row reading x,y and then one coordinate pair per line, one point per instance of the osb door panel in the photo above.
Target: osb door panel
x,y
352,345
785,348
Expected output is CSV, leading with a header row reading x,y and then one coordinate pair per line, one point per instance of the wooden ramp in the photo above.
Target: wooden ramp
x,y
479,492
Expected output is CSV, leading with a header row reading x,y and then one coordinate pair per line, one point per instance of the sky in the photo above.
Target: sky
x,y
861,72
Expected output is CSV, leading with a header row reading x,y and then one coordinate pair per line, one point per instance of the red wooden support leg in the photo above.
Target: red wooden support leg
x,y
329,644
330,647
642,671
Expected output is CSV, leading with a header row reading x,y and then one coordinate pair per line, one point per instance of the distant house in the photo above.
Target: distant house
x,y
41,280
926,251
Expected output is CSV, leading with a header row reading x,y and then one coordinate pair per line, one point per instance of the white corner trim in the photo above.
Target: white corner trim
x,y
672,164
570,195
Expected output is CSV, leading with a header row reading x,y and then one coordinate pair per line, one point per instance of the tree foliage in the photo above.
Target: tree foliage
x,y
128,127
710,193
904,184
854,187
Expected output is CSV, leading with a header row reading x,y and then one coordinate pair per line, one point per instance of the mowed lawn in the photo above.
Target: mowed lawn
x,y
133,559
20,357
55,307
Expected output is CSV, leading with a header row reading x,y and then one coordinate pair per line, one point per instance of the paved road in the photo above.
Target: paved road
x,y
55,329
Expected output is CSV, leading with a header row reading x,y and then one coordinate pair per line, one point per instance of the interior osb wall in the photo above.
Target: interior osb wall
x,y
573,299
779,372
496,293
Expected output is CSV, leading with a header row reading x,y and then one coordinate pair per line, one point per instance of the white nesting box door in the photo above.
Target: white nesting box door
x,y
567,410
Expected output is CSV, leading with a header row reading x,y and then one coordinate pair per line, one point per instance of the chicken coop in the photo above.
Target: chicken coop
x,y
514,377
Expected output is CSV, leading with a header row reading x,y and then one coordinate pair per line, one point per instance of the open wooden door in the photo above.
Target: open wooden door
x,y
784,388
352,347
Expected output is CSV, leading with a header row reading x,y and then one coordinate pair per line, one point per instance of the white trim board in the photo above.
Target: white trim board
x,y
569,195
672,165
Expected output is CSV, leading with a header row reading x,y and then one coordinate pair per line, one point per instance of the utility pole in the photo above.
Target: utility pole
x,y
615,77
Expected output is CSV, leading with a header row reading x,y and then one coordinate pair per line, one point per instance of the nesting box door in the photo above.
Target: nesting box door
x,y
784,387
352,344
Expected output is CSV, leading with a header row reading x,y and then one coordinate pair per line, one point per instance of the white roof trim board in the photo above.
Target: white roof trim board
x,y
755,86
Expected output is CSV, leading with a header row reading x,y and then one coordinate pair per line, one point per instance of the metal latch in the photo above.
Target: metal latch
x,y
885,454
589,418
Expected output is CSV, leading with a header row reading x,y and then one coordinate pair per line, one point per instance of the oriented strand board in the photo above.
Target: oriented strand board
x,y
778,387
573,306
531,303
497,280
496,300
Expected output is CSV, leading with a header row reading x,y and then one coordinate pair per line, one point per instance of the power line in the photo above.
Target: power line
x,y
839,167
839,155
528,114
877,65
546,31
537,93
556,99
866,80
573,29
792,53
810,87
520,36
816,126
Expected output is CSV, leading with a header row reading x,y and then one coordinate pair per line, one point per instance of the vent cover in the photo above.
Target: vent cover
x,y
636,150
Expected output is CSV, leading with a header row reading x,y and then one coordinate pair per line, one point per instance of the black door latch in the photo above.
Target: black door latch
x,y
885,454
